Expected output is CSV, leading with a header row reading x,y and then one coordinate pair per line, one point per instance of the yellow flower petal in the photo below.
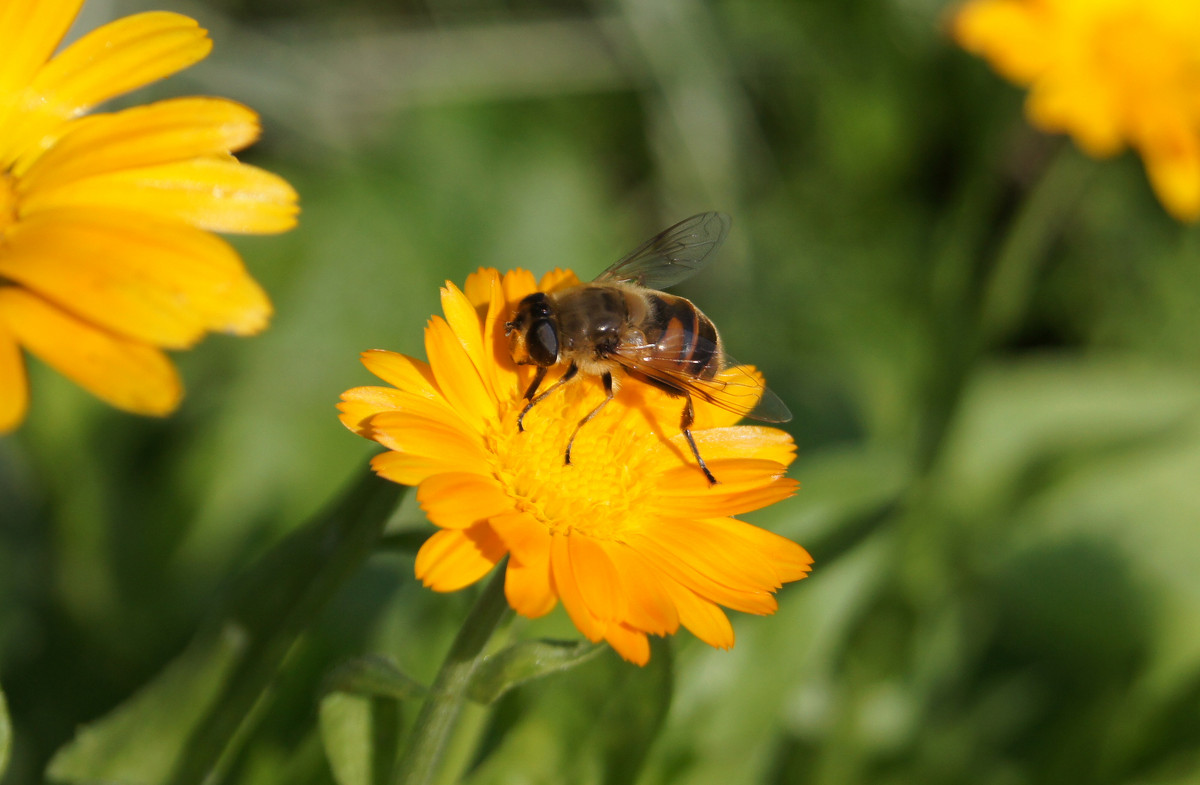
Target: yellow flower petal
x,y
361,403
457,377
649,604
517,284
1111,73
744,441
679,568
452,559
527,579
1084,112
567,587
402,371
14,385
163,284
719,552
358,406
743,485
1010,33
217,195
557,279
164,132
1175,176
416,435
463,319
111,60
124,373
702,617
789,561
631,644
505,378
599,585
30,32
408,469
479,286
459,500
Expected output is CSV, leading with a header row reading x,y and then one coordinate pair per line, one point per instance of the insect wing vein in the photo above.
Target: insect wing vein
x,y
672,255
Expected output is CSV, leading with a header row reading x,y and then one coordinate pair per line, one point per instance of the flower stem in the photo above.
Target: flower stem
x,y
425,747
1009,287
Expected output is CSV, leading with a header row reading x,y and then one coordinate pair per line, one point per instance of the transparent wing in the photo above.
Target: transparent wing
x,y
736,388
672,255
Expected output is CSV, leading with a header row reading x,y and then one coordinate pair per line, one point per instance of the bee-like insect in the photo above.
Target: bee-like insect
x,y
620,325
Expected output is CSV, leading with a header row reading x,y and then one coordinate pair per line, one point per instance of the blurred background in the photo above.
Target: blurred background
x,y
988,341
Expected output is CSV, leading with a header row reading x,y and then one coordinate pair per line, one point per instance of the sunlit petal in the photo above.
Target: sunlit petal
x,y
124,373
111,60
454,558
14,384
160,283
219,195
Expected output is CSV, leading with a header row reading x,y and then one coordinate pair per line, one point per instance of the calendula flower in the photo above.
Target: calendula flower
x,y
106,251
630,536
1110,73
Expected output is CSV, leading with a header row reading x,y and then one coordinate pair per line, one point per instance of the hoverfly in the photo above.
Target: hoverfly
x,y
621,326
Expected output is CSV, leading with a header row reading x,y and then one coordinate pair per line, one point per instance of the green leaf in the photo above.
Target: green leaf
x,y
184,724
1017,416
360,718
526,661
361,736
143,738
374,676
5,734
596,724
631,721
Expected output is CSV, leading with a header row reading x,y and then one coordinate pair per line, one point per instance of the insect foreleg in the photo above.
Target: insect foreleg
x,y
572,369
608,392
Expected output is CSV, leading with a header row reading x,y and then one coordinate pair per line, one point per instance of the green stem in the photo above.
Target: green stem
x,y
1009,287
426,745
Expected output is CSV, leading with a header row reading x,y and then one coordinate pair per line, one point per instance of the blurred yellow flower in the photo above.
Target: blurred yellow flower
x,y
1108,72
106,255
630,536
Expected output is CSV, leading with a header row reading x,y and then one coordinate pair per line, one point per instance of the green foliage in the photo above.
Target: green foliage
x,y
5,735
524,662
359,735
988,341
179,726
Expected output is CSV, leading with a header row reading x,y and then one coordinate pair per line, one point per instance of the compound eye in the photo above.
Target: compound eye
x,y
543,343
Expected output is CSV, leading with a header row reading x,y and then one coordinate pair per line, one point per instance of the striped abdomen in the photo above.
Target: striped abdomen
x,y
682,337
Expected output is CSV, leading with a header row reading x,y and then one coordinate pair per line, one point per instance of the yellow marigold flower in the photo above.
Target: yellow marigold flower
x,y
1108,72
630,536
106,251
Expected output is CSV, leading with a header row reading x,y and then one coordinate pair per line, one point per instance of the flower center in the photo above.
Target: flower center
x,y
601,492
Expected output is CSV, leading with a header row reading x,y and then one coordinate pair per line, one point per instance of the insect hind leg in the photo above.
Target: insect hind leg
x,y
686,419
685,424
608,393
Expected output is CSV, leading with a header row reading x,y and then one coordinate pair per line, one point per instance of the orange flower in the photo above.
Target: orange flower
x,y
630,536
106,256
1108,72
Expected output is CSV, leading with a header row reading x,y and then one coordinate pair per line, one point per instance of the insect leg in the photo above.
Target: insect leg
x,y
572,369
685,425
608,391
